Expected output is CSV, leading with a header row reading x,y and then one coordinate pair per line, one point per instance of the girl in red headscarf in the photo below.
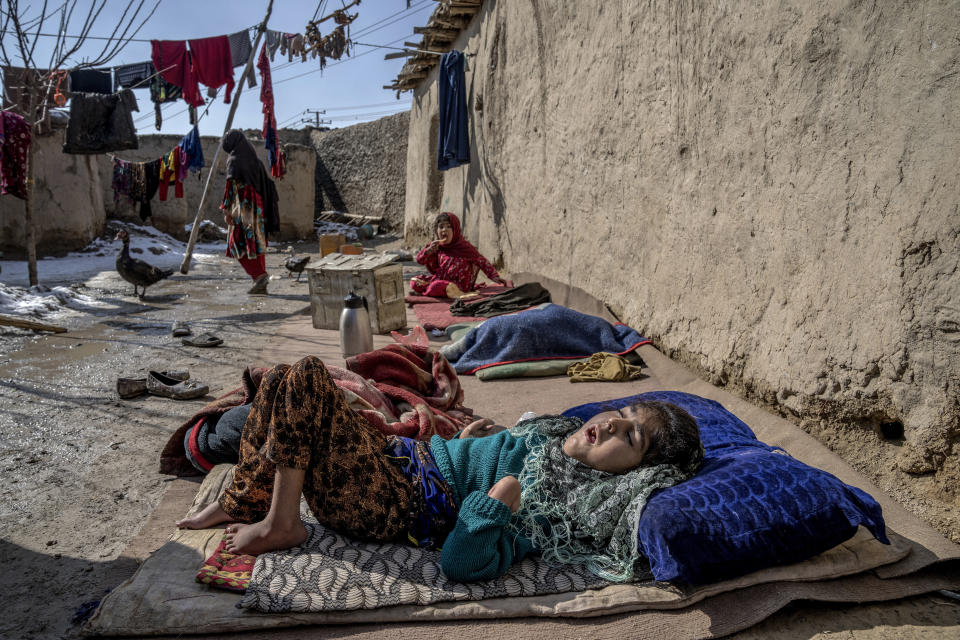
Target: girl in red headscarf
x,y
453,262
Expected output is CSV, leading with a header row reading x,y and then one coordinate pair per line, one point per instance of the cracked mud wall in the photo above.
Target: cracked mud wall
x,y
68,206
768,190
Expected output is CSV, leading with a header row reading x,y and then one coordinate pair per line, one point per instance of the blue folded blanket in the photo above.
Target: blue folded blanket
x,y
545,333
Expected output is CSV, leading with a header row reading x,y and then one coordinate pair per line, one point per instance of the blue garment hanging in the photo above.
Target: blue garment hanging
x,y
453,143
190,144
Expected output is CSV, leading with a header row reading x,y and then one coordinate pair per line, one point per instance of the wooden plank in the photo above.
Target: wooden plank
x,y
406,78
457,24
419,46
436,31
352,219
10,321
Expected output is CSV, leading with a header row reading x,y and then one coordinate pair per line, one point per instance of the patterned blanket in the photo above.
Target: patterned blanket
x,y
332,573
405,390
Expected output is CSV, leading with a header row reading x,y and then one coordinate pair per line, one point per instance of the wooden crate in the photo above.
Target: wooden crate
x,y
376,277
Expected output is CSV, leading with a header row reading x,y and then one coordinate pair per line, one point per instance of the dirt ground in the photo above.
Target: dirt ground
x,y
80,464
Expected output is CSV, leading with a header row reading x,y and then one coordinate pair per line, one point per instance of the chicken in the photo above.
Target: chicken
x,y
135,271
295,265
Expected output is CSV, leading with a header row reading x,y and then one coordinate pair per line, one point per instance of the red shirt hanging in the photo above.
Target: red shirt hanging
x,y
212,62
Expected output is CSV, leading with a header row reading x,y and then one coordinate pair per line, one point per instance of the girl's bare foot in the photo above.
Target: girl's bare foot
x,y
264,536
207,517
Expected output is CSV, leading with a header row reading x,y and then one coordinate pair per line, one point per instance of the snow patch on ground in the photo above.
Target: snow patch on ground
x,y
41,301
63,279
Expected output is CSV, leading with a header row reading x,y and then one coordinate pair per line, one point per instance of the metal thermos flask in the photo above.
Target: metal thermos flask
x,y
355,333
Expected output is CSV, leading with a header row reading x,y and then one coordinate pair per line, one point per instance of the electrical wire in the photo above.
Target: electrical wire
x,y
373,114
320,6
369,28
392,103
362,106
286,120
333,64
67,35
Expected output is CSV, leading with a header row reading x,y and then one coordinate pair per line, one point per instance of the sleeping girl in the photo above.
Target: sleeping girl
x,y
570,490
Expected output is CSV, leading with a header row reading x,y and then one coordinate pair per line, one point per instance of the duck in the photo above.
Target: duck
x,y
136,271
295,265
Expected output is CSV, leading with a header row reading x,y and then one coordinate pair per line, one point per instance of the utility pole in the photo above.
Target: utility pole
x,y
316,121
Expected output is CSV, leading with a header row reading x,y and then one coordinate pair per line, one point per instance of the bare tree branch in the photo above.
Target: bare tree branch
x,y
84,32
113,34
121,41
21,36
3,48
58,45
38,85
36,36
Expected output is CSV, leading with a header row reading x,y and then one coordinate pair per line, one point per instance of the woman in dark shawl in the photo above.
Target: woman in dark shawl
x,y
249,207
452,261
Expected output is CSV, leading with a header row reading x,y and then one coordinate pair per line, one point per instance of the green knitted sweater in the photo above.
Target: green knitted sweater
x,y
481,546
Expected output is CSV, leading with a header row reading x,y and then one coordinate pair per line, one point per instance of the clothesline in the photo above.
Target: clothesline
x,y
363,31
151,77
195,124
113,157
141,181
276,82
206,108
89,37
66,35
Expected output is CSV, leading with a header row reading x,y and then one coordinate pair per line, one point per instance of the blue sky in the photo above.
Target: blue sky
x,y
349,90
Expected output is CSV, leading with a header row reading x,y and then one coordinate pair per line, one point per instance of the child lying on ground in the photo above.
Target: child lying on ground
x,y
571,490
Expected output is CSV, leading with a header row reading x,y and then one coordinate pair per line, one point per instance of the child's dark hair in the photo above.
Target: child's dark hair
x,y
441,217
677,441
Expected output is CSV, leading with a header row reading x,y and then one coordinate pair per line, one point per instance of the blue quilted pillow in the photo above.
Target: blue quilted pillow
x,y
750,506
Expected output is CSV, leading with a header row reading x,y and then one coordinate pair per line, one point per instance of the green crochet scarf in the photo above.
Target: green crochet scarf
x,y
592,516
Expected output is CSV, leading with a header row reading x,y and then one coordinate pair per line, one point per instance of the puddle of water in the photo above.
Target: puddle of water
x,y
141,328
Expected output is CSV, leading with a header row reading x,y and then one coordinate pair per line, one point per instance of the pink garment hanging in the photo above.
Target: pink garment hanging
x,y
212,62
14,145
173,54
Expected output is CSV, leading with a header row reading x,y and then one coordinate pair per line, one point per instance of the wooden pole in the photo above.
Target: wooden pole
x,y
194,232
30,324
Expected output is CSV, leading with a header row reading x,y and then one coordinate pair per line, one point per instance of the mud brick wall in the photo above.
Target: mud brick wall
x,y
296,190
767,190
362,169
68,209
